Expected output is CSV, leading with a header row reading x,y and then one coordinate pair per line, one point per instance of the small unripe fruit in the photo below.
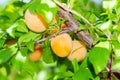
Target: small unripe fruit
x,y
36,54
79,51
61,45
35,22
63,26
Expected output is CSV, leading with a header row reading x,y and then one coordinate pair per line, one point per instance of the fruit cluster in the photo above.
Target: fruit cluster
x,y
62,44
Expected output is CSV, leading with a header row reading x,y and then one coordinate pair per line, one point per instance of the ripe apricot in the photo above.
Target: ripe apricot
x,y
79,51
36,54
35,22
61,44
63,26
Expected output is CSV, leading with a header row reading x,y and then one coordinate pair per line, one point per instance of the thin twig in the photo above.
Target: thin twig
x,y
73,12
43,39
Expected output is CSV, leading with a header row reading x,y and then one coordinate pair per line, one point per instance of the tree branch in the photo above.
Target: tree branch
x,y
73,25
43,39
73,12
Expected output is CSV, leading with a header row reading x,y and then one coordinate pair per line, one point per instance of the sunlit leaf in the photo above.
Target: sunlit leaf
x,y
118,7
63,74
116,48
18,61
28,37
21,26
48,13
82,74
109,4
105,26
99,56
75,65
11,30
116,64
30,45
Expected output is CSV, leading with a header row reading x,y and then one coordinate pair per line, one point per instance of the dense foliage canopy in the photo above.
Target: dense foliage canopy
x,y
17,41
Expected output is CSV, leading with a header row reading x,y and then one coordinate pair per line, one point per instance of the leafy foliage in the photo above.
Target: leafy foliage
x,y
14,61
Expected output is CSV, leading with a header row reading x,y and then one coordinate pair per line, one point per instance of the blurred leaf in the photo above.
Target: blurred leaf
x,y
109,4
18,61
6,54
82,74
97,78
116,48
2,77
99,56
63,74
75,65
92,18
116,64
86,1
30,68
24,51
106,26
113,17
2,41
8,68
117,8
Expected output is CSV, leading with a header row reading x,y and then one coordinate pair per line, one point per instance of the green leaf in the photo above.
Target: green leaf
x,y
11,30
82,74
30,68
28,37
24,51
113,17
18,61
47,55
85,2
6,54
2,77
75,65
30,45
106,26
116,48
117,8
109,4
116,64
99,56
21,26
39,6
63,74
2,41
92,18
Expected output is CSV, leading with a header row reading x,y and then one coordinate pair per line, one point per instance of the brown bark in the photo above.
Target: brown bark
x,y
73,25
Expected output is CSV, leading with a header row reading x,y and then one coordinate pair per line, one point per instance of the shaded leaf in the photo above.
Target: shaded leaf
x,y
47,55
6,54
